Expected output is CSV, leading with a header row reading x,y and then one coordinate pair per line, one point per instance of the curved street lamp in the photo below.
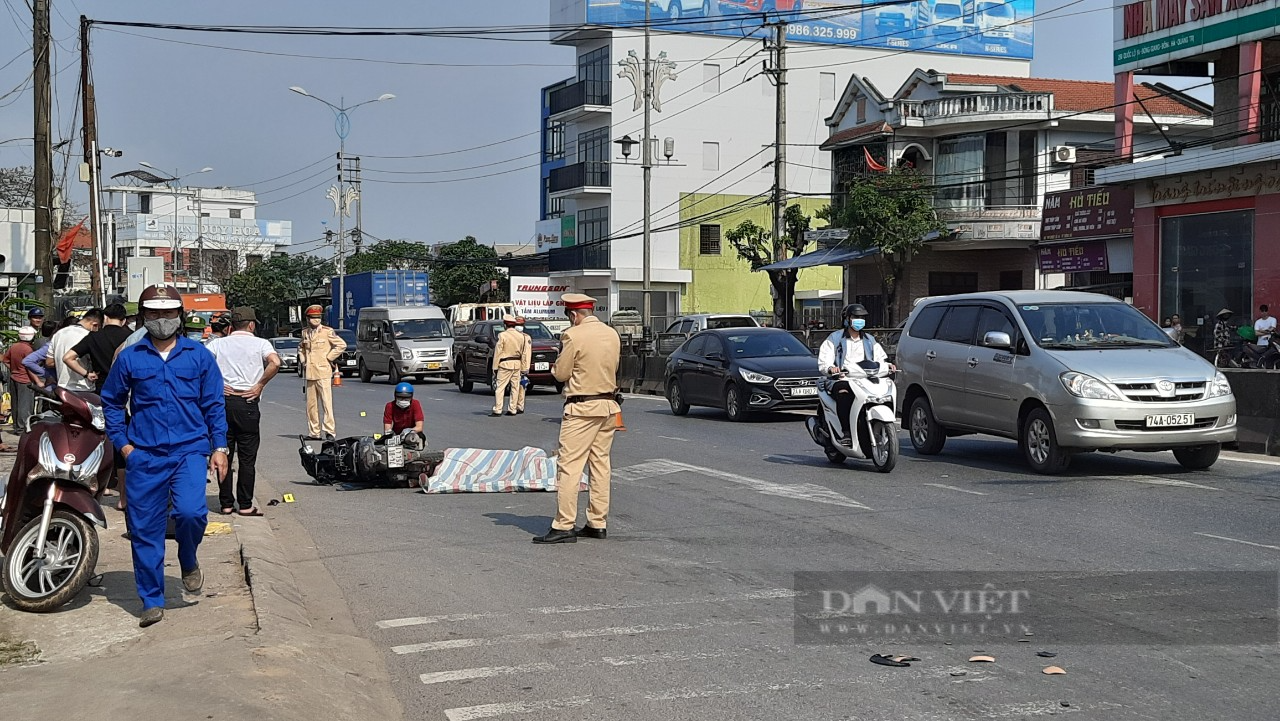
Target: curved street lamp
x,y
342,126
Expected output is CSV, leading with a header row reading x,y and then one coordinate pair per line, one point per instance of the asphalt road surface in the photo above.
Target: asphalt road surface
x,y
687,611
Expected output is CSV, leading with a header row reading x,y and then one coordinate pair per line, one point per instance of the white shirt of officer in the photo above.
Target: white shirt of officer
x,y
853,352
242,358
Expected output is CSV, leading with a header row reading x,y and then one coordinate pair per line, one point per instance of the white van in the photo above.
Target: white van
x,y
401,341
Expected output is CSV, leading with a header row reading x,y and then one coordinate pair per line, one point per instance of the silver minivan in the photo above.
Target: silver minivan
x,y
1062,373
404,341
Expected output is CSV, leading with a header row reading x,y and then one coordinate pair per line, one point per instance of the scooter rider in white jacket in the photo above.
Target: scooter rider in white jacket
x,y
841,353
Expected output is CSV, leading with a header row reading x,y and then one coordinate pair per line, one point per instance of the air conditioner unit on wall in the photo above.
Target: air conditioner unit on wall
x,y
1063,154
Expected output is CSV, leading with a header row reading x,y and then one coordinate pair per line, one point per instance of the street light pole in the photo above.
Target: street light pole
x,y
647,164
342,125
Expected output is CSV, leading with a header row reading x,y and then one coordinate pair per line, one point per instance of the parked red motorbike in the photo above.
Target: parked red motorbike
x,y
53,494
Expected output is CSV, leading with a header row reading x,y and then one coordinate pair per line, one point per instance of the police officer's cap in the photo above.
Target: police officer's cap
x,y
315,310
578,301
856,310
509,320
160,297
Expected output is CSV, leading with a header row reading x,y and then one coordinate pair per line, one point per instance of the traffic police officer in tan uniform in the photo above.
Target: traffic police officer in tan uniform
x,y
588,366
522,386
511,358
319,350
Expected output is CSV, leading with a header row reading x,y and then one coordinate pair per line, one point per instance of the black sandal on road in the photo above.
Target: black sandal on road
x,y
227,511
251,512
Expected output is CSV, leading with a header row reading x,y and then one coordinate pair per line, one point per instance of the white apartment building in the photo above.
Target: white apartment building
x,y
213,232
714,133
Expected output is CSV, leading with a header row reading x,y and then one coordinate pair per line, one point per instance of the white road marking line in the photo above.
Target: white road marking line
x,y
1228,456
284,405
953,488
1237,540
466,674
551,610
470,713
558,636
1171,482
797,491
673,438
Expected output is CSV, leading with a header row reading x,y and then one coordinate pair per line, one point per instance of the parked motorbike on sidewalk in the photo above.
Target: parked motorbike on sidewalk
x,y
390,460
53,495
872,418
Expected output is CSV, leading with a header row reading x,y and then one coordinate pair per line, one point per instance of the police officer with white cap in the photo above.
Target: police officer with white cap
x,y
588,366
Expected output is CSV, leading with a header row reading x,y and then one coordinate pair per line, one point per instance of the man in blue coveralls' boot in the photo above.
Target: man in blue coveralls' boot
x,y
176,427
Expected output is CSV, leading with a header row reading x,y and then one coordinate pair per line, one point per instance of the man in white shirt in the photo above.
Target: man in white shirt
x,y
1264,326
841,352
247,363
66,339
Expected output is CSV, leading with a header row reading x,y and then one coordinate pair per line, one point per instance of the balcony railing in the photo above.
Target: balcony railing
x,y
981,104
590,174
592,256
583,92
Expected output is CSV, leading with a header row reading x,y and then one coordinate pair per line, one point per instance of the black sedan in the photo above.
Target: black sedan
x,y
742,370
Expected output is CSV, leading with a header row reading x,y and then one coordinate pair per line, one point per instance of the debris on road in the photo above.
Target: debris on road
x,y
984,659
1046,654
884,660
1053,671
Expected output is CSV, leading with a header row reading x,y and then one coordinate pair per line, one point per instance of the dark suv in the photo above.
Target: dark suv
x,y
473,354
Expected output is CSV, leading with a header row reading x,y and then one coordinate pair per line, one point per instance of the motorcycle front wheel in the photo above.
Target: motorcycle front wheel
x,y
884,453
41,585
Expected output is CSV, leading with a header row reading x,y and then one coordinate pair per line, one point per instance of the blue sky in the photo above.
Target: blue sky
x,y
184,107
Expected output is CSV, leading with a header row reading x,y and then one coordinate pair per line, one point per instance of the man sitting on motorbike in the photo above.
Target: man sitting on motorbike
x,y
841,352
404,413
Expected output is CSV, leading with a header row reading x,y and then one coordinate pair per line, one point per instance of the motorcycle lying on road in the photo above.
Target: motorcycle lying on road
x,y
53,495
872,417
393,461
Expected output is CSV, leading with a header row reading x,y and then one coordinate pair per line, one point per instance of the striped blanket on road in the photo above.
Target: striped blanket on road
x,y
478,470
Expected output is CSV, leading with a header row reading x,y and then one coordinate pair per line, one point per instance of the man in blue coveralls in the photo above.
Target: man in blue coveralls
x,y
173,388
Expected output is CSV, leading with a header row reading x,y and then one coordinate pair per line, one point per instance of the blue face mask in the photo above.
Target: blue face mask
x,y
858,324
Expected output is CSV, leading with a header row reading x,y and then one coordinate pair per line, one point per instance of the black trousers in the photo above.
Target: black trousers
x,y
844,403
243,438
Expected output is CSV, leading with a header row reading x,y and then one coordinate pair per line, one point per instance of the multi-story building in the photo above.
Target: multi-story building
x,y
212,232
713,127
1206,214
993,146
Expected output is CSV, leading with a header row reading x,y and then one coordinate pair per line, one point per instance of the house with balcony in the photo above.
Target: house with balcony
x,y
1207,210
993,146
713,135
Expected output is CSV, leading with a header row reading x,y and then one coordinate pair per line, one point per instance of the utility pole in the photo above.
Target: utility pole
x,y
43,153
90,145
647,164
779,73
357,235
342,242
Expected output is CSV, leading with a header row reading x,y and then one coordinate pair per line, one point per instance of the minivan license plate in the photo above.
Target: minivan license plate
x,y
541,366
1171,420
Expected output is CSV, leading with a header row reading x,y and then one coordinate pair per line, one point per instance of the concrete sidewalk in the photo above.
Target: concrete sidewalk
x,y
251,645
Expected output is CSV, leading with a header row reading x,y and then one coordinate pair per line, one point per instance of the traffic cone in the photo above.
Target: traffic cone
x,y
337,378
618,425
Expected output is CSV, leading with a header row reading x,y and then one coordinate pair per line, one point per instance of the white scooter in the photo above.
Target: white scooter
x,y
872,418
